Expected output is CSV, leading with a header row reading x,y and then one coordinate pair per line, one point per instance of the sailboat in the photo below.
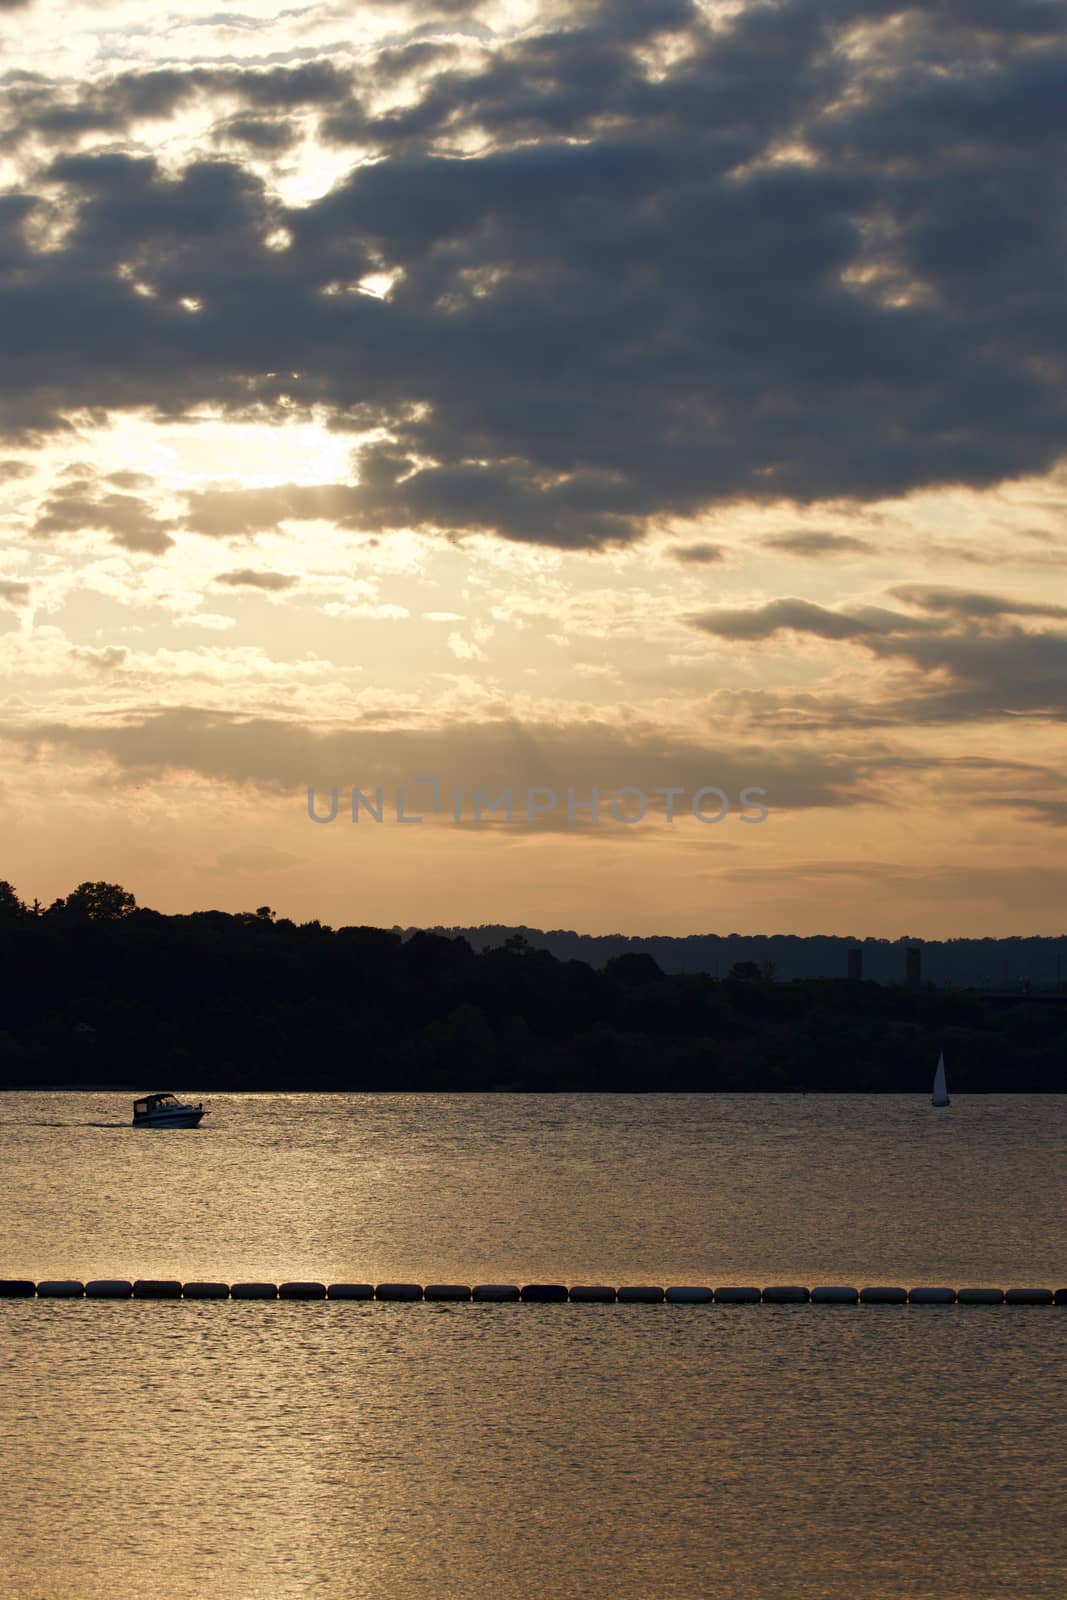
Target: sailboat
x,y
940,1094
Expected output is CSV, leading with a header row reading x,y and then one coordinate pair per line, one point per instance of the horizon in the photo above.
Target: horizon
x,y
456,929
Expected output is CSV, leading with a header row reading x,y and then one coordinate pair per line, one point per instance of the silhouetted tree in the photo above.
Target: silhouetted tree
x,y
11,907
94,902
633,969
745,972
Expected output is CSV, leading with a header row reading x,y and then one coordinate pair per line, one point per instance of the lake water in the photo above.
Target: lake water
x,y
282,1450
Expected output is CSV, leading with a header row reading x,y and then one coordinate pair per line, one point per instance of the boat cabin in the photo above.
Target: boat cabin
x,y
154,1102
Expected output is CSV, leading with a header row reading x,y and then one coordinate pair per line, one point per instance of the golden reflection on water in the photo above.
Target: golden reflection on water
x,y
278,1450
576,1188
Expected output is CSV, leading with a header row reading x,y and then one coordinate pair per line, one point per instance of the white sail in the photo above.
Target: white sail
x,y
940,1094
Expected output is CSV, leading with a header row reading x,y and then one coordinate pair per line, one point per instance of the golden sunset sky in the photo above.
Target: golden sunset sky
x,y
643,393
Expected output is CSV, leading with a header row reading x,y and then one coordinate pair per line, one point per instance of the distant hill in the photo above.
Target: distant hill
x,y
953,963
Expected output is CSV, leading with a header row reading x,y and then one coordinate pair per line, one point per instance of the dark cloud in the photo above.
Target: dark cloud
x,y
13,592
38,110
78,506
11,469
966,603
258,133
129,480
246,578
697,555
279,756
241,513
283,756
817,542
788,614
1049,813
965,675
970,659
462,498
618,310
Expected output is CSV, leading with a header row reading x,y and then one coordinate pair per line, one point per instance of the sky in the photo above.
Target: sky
x,y
629,395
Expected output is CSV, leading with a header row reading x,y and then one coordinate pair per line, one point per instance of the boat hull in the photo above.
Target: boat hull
x,y
173,1119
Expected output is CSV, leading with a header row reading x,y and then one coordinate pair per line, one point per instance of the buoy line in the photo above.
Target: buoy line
x,y
530,1293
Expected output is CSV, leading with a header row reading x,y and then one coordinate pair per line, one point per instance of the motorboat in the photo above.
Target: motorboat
x,y
165,1111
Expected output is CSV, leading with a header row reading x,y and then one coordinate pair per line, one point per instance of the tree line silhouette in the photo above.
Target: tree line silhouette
x,y
101,991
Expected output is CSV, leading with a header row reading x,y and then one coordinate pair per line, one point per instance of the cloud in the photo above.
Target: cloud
x,y
970,660
106,660
966,603
14,592
465,649
1051,813
697,555
258,133
247,578
222,513
210,621
797,616
281,755
817,542
619,293
60,114
78,506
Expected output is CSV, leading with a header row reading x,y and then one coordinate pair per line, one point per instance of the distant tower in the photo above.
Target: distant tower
x,y
855,964
913,968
